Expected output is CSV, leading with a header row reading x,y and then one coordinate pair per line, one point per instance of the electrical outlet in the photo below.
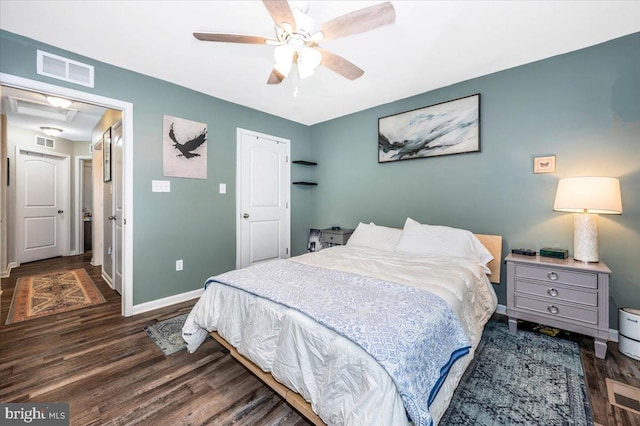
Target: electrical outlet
x,y
179,265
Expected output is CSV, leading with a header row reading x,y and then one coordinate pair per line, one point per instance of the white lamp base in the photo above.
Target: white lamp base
x,y
585,237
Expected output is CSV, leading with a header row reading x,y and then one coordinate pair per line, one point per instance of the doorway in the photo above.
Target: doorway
x,y
42,205
263,193
84,203
127,170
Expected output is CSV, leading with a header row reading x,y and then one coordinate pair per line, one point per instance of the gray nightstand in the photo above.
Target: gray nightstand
x,y
561,293
333,237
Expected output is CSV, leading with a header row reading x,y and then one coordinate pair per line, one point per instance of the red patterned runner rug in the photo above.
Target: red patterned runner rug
x,y
50,294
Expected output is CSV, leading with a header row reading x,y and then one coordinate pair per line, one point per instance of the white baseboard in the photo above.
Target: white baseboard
x,y
167,301
10,266
613,334
107,279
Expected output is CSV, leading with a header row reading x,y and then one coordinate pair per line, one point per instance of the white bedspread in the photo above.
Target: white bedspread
x,y
343,383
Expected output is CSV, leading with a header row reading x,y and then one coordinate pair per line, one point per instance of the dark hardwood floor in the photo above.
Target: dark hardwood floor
x,y
111,373
615,366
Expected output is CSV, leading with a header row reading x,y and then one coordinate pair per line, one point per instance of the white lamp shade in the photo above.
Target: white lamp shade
x,y
284,58
304,22
308,60
589,195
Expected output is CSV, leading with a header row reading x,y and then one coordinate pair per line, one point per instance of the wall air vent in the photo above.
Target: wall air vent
x,y
45,142
64,69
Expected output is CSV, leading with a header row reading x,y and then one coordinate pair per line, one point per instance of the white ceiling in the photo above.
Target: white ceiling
x,y
33,111
431,45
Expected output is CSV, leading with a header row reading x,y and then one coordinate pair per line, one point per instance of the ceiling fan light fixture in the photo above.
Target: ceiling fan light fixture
x,y
51,131
283,56
308,60
304,22
304,71
287,28
59,102
316,37
297,43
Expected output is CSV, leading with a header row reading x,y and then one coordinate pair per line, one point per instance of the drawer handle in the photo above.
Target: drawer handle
x,y
552,276
553,309
552,292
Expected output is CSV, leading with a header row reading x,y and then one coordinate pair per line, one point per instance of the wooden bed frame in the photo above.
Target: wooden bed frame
x,y
493,243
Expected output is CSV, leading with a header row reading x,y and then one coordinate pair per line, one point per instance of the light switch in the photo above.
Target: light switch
x,y
223,188
160,186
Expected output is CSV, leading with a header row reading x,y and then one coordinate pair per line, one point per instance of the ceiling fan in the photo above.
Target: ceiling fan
x,y
297,43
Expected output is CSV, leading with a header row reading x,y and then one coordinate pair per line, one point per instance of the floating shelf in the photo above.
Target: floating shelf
x,y
305,163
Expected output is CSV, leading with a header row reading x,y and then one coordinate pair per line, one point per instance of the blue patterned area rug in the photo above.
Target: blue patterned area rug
x,y
525,378
167,334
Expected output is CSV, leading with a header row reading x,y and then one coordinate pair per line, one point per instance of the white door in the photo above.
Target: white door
x,y
118,212
107,208
263,222
42,205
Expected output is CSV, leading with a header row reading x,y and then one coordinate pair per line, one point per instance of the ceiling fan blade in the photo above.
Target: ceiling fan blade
x,y
275,77
231,38
281,12
340,65
359,21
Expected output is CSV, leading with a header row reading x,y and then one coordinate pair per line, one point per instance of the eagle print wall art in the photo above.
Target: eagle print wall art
x,y
184,148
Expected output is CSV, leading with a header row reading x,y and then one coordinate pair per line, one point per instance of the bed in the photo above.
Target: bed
x,y
336,333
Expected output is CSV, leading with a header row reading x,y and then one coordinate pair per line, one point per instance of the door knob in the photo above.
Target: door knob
x,y
246,215
112,218
60,211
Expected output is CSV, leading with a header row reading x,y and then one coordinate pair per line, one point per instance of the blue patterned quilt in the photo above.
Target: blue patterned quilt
x,y
412,333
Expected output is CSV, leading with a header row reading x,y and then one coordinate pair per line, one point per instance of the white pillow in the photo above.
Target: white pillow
x,y
376,237
441,240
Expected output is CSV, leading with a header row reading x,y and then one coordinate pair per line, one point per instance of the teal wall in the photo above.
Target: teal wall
x,y
583,107
193,222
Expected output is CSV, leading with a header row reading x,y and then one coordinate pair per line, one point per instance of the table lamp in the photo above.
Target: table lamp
x,y
587,197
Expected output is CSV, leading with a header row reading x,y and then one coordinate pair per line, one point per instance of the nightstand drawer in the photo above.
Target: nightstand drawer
x,y
335,238
557,292
561,293
339,237
557,275
553,309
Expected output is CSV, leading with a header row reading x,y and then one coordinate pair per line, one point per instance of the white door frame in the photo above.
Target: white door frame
x,y
66,202
239,212
79,196
127,123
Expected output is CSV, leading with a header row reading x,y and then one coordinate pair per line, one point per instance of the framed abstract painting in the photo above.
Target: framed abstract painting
x,y
446,128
